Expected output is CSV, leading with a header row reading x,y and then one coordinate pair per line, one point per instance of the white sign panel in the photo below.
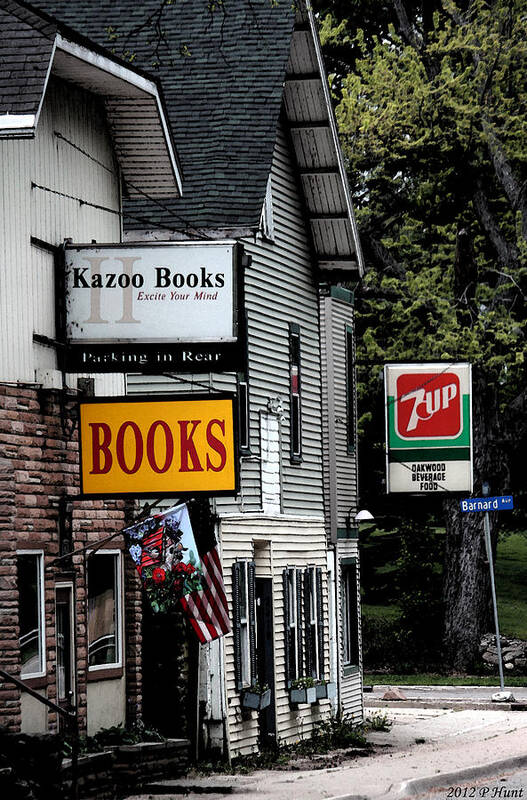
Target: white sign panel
x,y
428,427
171,292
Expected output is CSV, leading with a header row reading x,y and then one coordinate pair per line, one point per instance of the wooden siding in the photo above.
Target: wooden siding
x,y
340,461
279,289
27,303
274,543
351,698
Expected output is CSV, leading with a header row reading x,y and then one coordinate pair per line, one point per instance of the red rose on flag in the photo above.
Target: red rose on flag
x,y
158,575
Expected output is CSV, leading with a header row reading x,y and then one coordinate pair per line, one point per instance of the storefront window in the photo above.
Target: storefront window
x,y
31,613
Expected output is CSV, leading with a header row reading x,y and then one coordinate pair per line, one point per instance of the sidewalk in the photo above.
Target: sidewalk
x,y
422,743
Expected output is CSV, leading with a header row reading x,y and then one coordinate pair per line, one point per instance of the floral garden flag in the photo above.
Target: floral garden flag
x,y
166,557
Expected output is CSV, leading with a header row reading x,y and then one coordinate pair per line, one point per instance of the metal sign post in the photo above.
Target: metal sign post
x,y
486,503
488,545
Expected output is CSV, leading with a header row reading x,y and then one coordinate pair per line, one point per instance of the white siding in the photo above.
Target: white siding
x,y
27,301
274,543
280,288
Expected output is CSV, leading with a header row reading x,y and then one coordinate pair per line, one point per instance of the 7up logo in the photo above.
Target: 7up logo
x,y
428,405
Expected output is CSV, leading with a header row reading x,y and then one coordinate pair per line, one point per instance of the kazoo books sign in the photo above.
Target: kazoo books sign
x,y
152,307
140,447
428,427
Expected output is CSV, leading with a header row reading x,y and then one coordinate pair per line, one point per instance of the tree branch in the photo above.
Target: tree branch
x,y
507,253
512,187
381,256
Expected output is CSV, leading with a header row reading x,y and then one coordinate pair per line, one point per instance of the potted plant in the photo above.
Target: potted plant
x,y
256,697
303,690
326,690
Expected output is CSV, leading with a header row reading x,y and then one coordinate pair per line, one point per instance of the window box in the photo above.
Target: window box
x,y
326,691
306,695
255,699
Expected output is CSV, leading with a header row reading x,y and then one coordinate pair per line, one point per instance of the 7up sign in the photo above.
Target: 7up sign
x,y
428,427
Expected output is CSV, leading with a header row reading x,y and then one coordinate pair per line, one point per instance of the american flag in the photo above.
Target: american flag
x,y
207,609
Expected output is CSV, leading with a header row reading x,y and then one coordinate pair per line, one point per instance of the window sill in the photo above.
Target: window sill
x,y
106,674
350,669
296,459
38,682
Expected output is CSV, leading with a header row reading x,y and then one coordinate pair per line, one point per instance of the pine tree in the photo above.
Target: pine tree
x,y
431,108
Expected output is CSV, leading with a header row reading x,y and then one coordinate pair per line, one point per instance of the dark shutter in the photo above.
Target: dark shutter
x,y
309,652
251,611
236,628
287,654
320,622
299,620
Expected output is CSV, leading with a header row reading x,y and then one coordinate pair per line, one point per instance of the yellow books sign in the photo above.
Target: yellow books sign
x,y
167,446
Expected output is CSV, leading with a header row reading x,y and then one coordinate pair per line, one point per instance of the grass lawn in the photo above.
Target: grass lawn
x,y
433,679
511,584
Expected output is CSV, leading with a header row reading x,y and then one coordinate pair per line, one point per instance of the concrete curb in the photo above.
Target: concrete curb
x,y
461,705
416,786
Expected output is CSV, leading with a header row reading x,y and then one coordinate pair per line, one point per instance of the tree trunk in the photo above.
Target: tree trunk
x,y
466,583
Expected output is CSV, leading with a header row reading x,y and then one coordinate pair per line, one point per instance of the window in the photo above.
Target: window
x,y
243,412
65,641
314,622
104,610
295,392
292,586
30,568
267,220
244,618
350,389
350,614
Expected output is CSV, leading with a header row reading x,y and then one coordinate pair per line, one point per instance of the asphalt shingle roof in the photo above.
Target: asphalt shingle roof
x,y
222,76
26,43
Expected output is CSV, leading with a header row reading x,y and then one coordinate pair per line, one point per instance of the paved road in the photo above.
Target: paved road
x,y
422,742
508,785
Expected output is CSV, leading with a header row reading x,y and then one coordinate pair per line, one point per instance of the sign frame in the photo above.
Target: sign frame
x,y
179,495
168,354
411,450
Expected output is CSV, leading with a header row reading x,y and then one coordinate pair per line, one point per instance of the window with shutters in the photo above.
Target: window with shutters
x,y
350,615
314,623
295,393
293,627
244,616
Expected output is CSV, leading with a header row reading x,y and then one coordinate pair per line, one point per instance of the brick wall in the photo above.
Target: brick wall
x,y
39,466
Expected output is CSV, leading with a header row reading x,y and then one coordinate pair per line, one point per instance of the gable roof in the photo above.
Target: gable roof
x,y
222,75
33,47
226,75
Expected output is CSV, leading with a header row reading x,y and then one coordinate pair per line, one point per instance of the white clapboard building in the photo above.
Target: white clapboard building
x,y
248,102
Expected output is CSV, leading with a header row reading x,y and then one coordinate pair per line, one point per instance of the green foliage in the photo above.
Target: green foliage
x,y
431,115
114,736
334,733
303,683
378,721
511,580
